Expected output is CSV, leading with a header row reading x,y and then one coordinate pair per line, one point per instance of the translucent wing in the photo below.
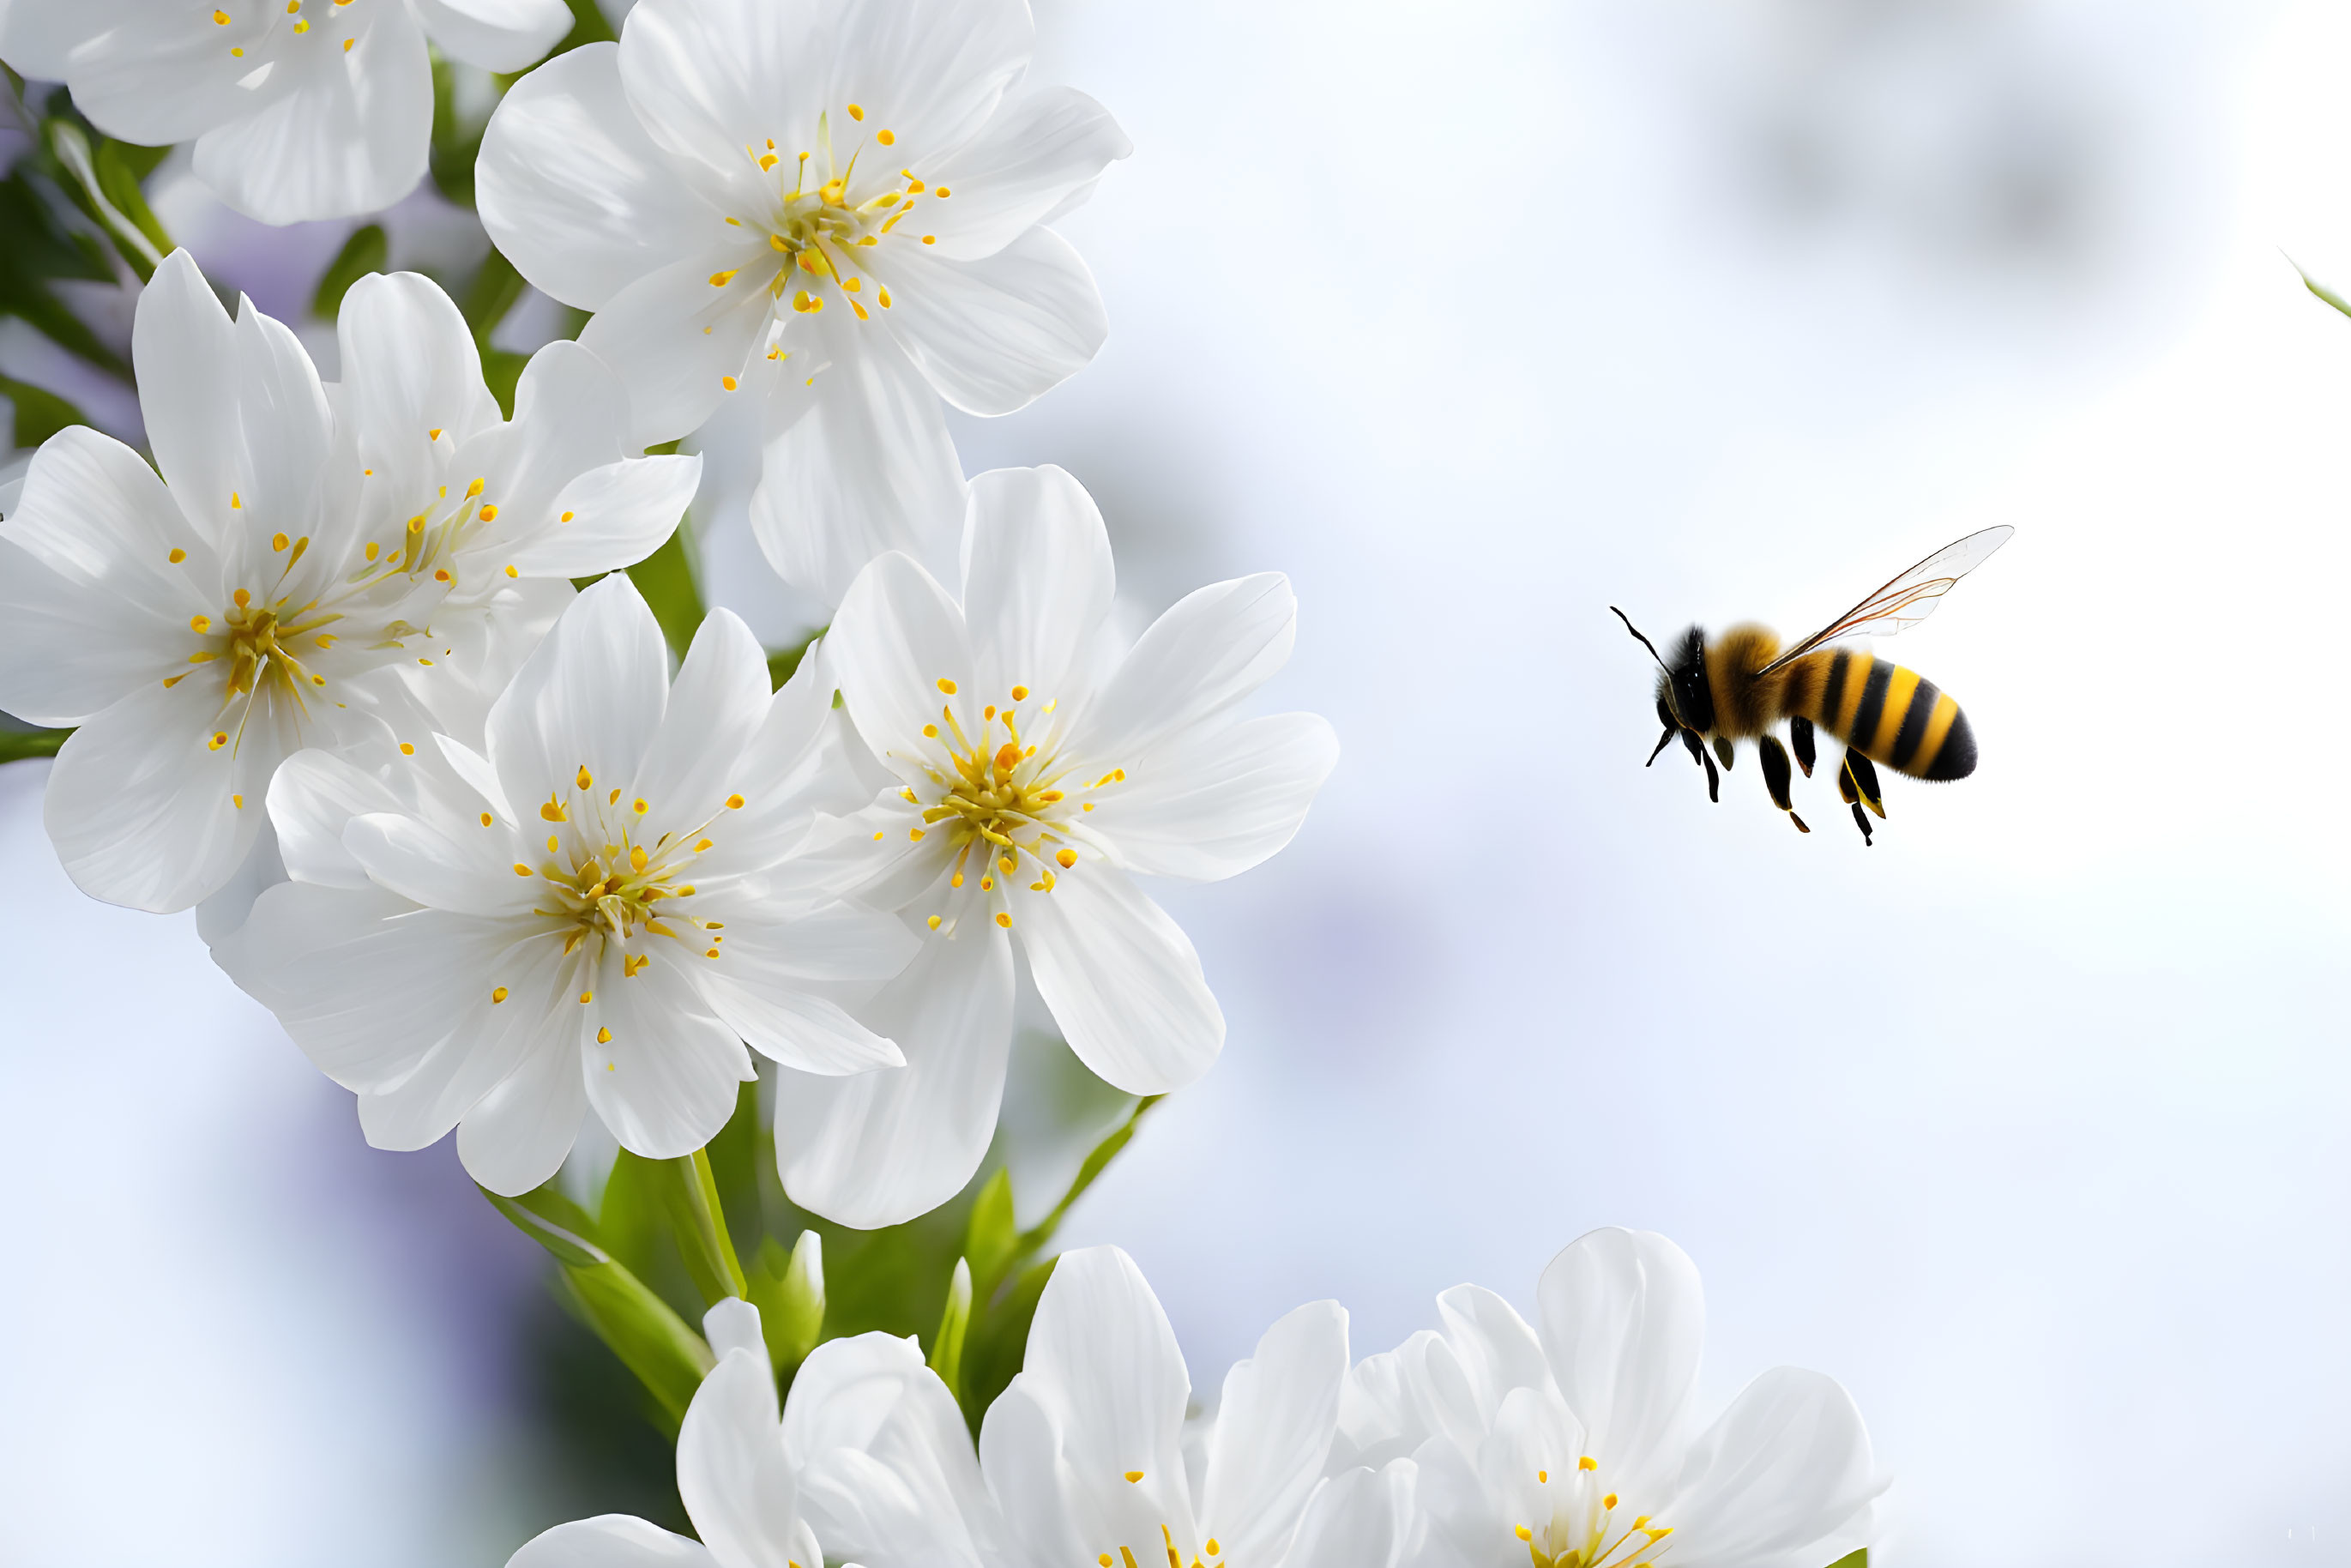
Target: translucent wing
x,y
1909,598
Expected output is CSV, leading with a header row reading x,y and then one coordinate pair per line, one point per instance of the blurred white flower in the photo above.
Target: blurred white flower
x,y
829,205
298,109
317,563
1573,1444
602,915
731,1475
1033,771
1084,1458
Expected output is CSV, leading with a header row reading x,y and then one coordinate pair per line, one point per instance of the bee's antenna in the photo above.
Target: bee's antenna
x,y
1652,647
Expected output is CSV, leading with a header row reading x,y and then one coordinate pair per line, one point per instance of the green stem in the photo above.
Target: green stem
x,y
18,744
1035,1237
691,1195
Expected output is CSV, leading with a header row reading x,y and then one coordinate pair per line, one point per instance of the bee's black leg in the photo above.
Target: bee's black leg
x,y
1662,741
1697,748
1800,736
1722,748
1775,760
1861,819
1864,780
1713,779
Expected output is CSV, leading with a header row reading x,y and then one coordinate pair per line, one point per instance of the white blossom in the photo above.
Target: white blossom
x,y
298,109
599,913
1573,1442
316,564
831,206
1033,771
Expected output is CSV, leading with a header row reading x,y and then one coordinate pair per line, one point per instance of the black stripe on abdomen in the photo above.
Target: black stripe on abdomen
x,y
1873,703
1832,690
1913,724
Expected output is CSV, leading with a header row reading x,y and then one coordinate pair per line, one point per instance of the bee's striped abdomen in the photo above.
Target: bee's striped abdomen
x,y
1887,713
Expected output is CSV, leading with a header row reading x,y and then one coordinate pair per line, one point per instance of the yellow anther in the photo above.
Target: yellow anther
x,y
915,835
498,994
734,803
347,42
726,382
721,279
637,858
947,685
766,160
877,837
585,779
854,284
776,242
884,295
219,739
301,27
521,870
221,17
371,550
930,732
407,748
934,923
432,435
177,555
1020,693
855,112
930,239
1542,1477
1587,1463
235,501
241,597
200,622
713,953
238,800
442,575
487,819
1525,1535
278,542
511,571
614,797
567,517
1215,1549
604,1037
640,806
1134,1474
697,849
324,638
489,513
1608,1501
1067,858
476,489
416,524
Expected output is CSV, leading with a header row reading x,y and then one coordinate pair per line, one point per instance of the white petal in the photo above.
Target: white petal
x,y
181,340
620,514
1209,807
710,79
1782,1472
1039,583
1122,978
896,637
38,40
488,1043
1359,1519
517,1136
882,1147
1036,152
418,862
886,1468
1104,1370
572,414
995,334
138,72
734,1324
933,74
591,697
856,464
410,367
573,190
762,987
1624,1319
475,772
717,702
312,799
731,1472
668,1078
676,340
1273,1432
72,643
140,804
352,136
1214,646
226,910
504,35
610,1541
1496,1352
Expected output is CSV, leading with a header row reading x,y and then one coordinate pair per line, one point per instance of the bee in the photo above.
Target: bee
x,y
1740,686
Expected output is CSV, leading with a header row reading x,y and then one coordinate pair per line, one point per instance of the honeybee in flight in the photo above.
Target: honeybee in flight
x,y
1740,686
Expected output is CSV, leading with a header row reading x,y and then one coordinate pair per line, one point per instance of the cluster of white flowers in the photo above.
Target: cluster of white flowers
x,y
494,862
1568,1444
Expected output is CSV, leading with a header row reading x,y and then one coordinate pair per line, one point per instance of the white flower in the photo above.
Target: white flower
x,y
602,915
731,1475
322,562
1034,771
1572,1444
830,206
298,109
1084,1458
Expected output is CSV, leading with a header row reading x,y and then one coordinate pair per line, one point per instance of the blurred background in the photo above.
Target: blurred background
x,y
2027,1123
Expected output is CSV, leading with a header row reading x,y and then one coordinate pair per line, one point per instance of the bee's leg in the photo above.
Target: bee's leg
x,y
1713,779
1800,736
1665,714
1722,749
1776,775
1864,781
1849,789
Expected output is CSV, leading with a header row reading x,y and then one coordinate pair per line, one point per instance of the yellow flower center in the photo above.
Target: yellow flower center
x,y
1584,1530
604,881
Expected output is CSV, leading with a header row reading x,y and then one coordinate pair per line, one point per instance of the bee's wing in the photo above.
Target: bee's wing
x,y
1908,599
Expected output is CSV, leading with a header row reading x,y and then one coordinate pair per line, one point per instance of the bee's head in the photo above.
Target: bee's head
x,y
1685,700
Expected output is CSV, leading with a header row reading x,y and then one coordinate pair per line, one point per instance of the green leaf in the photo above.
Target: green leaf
x,y
947,1345
70,145
502,370
789,1293
455,143
1096,1161
666,579
1861,1559
40,413
494,288
691,1198
21,745
651,1339
991,1240
785,662
630,1216
366,251
121,167
2328,295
